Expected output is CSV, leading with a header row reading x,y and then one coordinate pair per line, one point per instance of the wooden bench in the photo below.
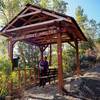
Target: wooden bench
x,y
51,74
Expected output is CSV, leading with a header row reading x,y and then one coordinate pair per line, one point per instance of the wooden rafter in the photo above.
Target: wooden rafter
x,y
28,14
24,20
29,20
52,14
32,19
15,19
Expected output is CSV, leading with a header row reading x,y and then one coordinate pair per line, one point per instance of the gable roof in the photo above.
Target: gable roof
x,y
33,19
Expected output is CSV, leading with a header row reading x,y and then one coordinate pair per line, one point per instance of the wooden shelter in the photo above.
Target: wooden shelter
x,y
41,27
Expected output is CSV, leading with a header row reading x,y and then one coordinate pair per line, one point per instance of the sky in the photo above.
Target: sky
x,y
91,8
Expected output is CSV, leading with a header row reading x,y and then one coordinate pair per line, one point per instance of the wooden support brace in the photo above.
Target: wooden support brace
x,y
71,44
42,49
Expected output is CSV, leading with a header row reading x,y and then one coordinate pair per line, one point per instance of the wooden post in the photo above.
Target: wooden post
x,y
19,77
25,76
10,87
41,51
30,71
41,54
77,59
35,75
10,54
50,61
10,50
60,68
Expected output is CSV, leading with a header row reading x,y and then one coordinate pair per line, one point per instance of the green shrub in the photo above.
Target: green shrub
x,y
3,84
5,65
5,72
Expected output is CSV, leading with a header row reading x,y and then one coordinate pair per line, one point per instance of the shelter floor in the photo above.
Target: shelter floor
x,y
49,92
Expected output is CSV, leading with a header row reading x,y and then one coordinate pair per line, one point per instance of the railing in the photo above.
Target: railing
x,y
25,77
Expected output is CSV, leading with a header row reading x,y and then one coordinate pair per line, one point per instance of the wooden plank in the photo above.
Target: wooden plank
x,y
32,25
28,14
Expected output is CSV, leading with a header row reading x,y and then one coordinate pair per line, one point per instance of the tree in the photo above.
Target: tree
x,y
81,17
6,12
28,54
88,27
59,6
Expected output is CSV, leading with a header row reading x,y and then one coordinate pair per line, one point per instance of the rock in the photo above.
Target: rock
x,y
87,86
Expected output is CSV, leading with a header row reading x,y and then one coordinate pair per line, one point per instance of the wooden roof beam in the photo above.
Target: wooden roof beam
x,y
33,25
15,19
24,20
31,43
23,37
29,20
75,32
28,14
53,15
53,42
40,30
49,38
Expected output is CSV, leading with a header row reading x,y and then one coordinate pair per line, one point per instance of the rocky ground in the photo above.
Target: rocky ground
x,y
49,92
86,87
